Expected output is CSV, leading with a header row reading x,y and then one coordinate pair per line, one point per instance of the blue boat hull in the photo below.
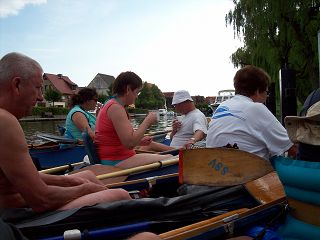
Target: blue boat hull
x,y
56,156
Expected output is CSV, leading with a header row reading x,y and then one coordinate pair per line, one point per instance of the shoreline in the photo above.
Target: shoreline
x,y
39,118
63,117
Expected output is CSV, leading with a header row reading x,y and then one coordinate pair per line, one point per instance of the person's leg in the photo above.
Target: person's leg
x,y
145,236
142,159
156,147
86,174
105,196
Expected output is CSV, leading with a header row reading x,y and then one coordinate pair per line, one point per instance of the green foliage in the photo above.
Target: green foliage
x,y
150,97
278,34
138,110
102,98
37,111
109,91
52,95
203,107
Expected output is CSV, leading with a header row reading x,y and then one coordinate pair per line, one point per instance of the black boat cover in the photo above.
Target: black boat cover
x,y
165,213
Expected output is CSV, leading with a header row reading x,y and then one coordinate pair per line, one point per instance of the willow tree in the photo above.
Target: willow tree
x,y
279,34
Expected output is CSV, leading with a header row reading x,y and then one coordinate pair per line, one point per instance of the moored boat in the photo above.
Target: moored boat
x,y
60,151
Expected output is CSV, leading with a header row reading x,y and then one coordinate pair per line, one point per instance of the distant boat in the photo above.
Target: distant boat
x,y
223,95
162,112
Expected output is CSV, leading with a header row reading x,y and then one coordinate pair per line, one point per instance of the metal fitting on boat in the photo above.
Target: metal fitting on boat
x,y
73,234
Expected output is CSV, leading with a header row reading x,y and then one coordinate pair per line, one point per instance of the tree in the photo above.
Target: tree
x,y
102,98
150,97
52,95
278,34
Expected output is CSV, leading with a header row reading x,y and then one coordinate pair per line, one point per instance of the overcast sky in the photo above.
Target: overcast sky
x,y
175,44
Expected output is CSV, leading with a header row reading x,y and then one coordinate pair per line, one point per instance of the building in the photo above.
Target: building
x,y
61,84
102,83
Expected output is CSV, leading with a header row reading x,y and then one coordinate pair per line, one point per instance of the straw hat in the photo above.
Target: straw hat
x,y
305,129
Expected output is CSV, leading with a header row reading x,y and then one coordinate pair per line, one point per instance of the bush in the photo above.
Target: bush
x,y
38,111
137,110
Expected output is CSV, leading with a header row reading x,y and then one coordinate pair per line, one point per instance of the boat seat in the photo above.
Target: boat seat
x,y
90,148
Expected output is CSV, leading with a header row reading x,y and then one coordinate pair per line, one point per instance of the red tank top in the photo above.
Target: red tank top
x,y
108,144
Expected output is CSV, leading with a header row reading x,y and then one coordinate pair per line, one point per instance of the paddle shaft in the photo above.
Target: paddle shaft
x,y
60,168
158,133
139,168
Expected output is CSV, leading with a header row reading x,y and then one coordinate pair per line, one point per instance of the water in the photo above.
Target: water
x,y
32,128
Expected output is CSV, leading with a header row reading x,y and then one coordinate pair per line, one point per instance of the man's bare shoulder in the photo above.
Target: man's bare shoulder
x,y
10,129
6,116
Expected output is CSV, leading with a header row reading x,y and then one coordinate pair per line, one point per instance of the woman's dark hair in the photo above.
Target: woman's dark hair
x,y
126,79
249,79
84,95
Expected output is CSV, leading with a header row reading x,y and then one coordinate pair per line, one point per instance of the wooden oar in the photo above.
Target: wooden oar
x,y
266,188
153,180
157,133
182,233
60,168
220,166
139,169
99,169
110,174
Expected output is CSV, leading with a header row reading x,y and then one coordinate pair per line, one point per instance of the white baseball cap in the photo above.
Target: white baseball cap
x,y
181,96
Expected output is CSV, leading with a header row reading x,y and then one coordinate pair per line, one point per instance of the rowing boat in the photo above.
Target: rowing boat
x,y
170,207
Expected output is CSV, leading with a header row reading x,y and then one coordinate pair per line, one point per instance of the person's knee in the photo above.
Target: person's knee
x,y
145,236
122,194
86,174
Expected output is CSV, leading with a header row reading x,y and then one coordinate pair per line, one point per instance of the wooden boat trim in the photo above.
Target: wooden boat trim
x,y
203,226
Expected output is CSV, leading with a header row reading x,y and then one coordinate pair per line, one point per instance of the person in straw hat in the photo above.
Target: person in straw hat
x,y
301,177
305,130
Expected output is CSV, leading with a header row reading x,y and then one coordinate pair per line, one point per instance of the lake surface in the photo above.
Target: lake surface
x,y
32,128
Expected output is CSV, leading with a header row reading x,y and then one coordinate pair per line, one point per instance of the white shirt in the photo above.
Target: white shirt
x,y
250,125
191,122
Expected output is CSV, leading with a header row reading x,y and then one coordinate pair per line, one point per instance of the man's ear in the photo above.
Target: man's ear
x,y
16,85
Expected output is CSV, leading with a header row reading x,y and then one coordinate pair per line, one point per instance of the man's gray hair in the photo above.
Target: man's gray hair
x,y
17,65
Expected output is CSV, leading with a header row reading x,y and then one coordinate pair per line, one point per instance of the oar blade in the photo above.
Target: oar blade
x,y
220,166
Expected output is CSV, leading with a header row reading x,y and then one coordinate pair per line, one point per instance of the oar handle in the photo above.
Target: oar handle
x,y
60,168
139,169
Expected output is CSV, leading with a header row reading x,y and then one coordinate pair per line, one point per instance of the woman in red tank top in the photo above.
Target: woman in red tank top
x,y
115,137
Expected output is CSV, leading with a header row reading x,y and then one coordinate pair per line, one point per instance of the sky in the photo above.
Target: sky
x,y
175,44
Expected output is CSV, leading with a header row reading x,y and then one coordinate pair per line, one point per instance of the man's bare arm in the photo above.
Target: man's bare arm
x,y
18,168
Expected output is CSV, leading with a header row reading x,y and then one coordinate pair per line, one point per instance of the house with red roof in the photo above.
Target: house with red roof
x,y
61,84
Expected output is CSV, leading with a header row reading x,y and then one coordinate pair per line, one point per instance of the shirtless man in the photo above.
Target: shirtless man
x,y
21,185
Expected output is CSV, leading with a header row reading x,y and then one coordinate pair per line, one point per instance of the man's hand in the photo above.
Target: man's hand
x,y
176,125
189,143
